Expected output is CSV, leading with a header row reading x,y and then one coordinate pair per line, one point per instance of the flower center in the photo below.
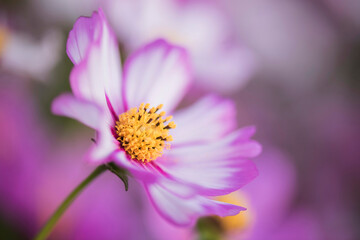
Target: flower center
x,y
4,35
241,221
143,134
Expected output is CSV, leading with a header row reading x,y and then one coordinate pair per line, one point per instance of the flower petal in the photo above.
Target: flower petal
x,y
184,212
177,188
82,36
81,110
215,168
92,47
105,144
139,170
157,74
209,111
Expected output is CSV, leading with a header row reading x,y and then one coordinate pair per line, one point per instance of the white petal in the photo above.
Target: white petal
x,y
72,107
217,167
184,212
157,74
105,144
209,119
92,47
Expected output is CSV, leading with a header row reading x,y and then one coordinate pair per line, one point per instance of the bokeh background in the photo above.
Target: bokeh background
x,y
291,66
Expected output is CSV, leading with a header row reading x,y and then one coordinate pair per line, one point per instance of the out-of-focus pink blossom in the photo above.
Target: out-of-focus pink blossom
x,y
295,44
220,62
268,201
24,56
207,157
270,194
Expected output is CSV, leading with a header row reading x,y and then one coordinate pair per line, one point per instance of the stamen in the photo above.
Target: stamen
x,y
143,134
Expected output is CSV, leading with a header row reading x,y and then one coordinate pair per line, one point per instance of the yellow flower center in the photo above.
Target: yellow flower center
x,y
143,134
4,35
244,219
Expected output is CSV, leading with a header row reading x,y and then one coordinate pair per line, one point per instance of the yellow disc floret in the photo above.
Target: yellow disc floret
x,y
244,219
4,35
143,132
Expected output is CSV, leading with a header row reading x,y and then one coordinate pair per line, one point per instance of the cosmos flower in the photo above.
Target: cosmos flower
x,y
269,214
267,205
220,61
206,156
281,35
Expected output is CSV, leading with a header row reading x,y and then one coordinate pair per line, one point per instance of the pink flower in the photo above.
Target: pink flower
x,y
24,56
220,62
270,209
206,157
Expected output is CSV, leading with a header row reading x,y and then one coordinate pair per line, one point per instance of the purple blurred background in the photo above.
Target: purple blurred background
x,y
292,67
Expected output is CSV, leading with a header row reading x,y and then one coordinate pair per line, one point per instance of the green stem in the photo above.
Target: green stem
x,y
46,230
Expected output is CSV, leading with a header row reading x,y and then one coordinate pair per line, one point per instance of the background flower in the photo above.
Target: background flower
x,y
220,62
25,55
269,214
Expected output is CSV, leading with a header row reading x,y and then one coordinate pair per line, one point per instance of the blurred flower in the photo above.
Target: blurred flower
x,y
268,199
207,157
220,63
25,56
294,42
268,216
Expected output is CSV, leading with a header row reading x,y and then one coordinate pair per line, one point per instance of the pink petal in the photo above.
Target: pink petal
x,y
105,144
81,110
184,212
177,188
82,36
219,62
209,111
214,168
157,74
93,48
142,172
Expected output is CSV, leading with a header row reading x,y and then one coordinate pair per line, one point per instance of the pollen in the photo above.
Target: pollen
x,y
144,133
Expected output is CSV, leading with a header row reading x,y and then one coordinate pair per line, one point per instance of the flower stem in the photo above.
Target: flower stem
x,y
46,230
